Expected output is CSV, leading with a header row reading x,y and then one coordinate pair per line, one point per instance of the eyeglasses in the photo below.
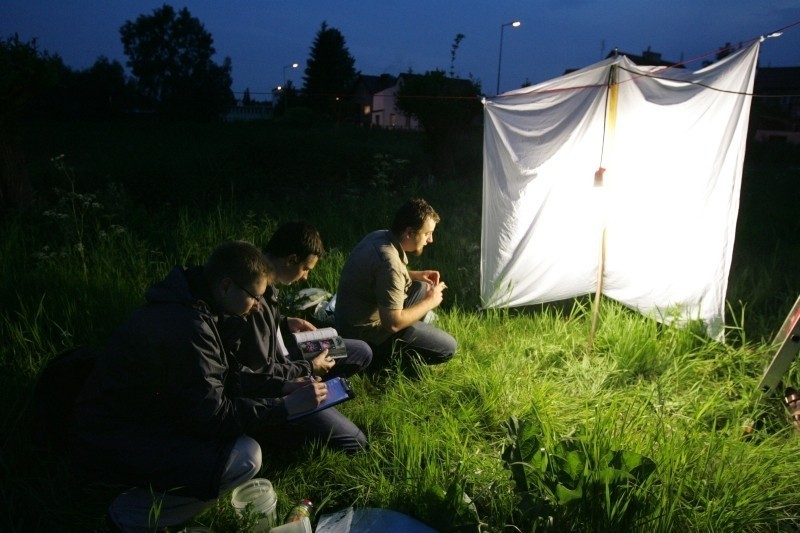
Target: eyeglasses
x,y
250,294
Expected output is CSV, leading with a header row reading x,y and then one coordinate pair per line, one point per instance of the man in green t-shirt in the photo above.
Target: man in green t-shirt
x,y
382,302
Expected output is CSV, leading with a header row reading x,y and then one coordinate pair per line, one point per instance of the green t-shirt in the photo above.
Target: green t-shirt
x,y
375,274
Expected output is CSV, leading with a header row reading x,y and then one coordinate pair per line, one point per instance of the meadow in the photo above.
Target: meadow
x,y
528,428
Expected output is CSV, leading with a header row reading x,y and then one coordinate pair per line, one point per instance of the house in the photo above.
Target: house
x,y
384,109
775,112
647,58
386,114
366,88
241,112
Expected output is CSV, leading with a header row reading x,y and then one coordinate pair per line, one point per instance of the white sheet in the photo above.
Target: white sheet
x,y
668,204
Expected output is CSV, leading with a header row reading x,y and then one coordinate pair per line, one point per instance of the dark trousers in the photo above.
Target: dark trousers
x,y
329,427
430,343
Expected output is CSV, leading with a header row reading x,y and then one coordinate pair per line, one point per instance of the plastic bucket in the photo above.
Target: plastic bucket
x,y
259,492
300,526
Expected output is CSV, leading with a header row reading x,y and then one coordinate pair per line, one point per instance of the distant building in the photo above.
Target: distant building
x,y
241,112
385,113
366,88
647,58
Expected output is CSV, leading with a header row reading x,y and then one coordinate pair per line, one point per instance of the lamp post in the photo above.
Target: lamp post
x,y
514,24
293,65
283,88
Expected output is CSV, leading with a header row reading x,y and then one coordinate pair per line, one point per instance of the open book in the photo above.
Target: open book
x,y
338,391
312,343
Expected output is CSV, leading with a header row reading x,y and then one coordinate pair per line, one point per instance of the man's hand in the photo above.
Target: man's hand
x,y
297,325
322,364
435,294
431,276
308,396
297,383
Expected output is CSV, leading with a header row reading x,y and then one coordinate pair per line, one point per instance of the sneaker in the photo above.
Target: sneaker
x,y
430,317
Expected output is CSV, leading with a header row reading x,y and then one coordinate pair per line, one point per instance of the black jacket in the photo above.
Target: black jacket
x,y
167,398
258,350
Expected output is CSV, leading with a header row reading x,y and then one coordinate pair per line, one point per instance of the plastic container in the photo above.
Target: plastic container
x,y
298,526
260,493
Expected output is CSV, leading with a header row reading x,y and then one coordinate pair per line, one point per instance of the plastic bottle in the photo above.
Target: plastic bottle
x,y
303,509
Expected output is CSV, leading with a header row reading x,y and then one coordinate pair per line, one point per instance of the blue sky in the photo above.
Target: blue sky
x,y
388,36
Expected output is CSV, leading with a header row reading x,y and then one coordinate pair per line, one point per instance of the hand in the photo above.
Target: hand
x,y
297,325
307,397
431,276
435,295
297,383
322,364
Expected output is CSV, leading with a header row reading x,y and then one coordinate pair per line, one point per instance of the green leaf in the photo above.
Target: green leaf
x,y
565,495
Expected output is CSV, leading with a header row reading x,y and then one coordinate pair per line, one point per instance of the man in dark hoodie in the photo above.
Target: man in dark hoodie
x,y
167,409
293,252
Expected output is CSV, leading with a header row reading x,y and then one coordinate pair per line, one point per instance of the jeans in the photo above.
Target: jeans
x,y
133,510
359,356
328,426
433,345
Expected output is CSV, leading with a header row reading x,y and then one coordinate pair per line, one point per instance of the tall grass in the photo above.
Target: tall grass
x,y
651,428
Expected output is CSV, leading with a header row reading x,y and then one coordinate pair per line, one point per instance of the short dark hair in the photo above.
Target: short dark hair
x,y
413,214
295,238
241,261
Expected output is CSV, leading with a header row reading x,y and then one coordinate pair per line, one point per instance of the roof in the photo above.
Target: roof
x,y
647,58
373,84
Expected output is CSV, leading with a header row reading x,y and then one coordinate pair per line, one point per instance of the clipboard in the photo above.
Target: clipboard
x,y
339,391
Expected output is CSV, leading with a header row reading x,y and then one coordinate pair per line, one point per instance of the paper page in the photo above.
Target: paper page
x,y
281,344
317,334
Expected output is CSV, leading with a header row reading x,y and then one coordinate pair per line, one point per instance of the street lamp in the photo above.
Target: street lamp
x,y
283,88
515,24
293,65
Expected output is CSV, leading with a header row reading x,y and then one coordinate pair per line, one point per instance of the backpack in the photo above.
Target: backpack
x,y
54,395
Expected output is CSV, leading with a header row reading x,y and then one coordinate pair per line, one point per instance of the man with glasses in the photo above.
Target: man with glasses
x,y
167,410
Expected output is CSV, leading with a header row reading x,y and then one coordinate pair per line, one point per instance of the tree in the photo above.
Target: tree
x,y
99,92
104,88
284,99
26,75
330,75
445,107
453,49
170,55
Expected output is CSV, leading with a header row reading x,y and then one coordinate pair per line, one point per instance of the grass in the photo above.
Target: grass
x,y
652,428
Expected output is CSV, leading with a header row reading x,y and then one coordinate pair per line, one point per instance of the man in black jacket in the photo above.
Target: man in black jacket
x,y
167,409
292,252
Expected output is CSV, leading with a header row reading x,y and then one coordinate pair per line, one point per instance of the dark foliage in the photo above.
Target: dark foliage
x,y
330,75
446,108
26,74
170,55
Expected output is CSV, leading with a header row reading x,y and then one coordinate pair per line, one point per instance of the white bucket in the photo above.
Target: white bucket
x,y
298,526
259,492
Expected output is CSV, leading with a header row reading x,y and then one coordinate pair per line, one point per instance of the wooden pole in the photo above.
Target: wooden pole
x,y
610,128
